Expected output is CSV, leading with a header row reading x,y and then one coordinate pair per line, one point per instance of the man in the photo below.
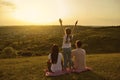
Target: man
x,y
78,55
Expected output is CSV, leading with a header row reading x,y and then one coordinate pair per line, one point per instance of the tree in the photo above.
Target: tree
x,y
8,52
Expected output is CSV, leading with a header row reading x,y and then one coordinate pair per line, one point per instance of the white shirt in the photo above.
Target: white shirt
x,y
68,44
58,66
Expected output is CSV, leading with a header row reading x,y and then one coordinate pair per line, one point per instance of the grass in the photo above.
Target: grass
x,y
38,39
105,67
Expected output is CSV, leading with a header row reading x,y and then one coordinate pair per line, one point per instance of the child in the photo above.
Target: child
x,y
55,60
66,46
79,55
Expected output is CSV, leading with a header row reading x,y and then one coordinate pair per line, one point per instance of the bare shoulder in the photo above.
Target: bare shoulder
x,y
49,56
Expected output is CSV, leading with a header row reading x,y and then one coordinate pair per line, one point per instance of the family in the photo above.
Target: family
x,y
70,60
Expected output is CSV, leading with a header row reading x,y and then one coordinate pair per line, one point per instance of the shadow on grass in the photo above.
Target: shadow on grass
x,y
89,75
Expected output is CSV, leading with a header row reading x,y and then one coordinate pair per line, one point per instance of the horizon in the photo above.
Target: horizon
x,y
39,12
28,25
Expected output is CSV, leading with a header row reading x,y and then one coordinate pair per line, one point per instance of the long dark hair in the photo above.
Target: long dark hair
x,y
54,53
68,33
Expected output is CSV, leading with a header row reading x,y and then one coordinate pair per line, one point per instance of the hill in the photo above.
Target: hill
x,y
37,40
105,67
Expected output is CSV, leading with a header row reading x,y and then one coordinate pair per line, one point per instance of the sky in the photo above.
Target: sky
x,y
47,12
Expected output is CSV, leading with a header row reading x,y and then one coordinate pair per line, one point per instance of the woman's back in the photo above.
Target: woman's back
x,y
58,66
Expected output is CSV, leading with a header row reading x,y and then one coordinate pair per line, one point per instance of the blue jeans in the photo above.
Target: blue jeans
x,y
67,58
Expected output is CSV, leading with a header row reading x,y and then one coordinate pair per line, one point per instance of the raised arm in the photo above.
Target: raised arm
x,y
60,21
76,23
74,26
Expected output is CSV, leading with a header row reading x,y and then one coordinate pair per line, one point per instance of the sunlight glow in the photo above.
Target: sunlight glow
x,y
26,15
45,12
39,13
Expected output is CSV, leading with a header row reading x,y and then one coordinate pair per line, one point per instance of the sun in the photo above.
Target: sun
x,y
34,16
29,15
39,13
25,15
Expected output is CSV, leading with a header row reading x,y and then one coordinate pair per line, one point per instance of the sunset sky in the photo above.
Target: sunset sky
x,y
47,12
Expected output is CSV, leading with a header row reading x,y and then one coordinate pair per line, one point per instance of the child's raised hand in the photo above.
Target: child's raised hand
x,y
76,22
60,21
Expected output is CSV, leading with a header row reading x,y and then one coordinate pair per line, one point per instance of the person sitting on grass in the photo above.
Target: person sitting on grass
x,y
54,60
78,55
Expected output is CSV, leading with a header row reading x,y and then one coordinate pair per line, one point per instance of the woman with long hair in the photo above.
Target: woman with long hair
x,y
55,59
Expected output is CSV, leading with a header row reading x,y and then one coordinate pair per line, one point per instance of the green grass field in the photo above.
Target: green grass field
x,y
105,67
100,43
38,39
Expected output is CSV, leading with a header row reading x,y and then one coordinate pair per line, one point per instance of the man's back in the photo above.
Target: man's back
x,y
79,58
